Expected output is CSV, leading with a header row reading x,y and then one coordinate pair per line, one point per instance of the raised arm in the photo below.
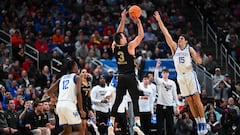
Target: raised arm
x,y
156,71
122,21
168,37
121,25
138,39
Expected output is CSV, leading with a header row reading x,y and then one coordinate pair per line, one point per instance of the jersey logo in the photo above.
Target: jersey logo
x,y
75,114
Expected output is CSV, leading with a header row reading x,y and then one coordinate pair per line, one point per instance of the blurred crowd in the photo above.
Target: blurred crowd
x,y
224,16
83,30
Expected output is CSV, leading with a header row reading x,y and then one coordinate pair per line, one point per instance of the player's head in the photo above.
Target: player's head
x,y
71,66
183,40
165,73
102,80
120,38
84,73
145,79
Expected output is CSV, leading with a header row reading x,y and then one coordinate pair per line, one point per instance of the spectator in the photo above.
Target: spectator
x,y
5,55
149,35
13,88
4,128
217,76
12,116
214,124
6,98
58,38
232,105
210,109
221,89
68,47
211,64
2,92
82,51
17,42
24,80
46,115
184,125
54,47
8,81
35,120
231,36
7,65
45,77
26,65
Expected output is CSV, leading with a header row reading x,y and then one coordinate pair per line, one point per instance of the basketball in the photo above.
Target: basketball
x,y
135,11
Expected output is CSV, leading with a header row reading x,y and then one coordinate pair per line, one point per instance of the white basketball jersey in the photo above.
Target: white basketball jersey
x,y
183,60
67,88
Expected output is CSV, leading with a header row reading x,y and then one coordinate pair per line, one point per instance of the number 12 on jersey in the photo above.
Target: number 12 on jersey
x,y
65,84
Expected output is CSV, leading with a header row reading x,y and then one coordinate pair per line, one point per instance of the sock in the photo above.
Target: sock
x,y
138,122
203,120
197,120
111,122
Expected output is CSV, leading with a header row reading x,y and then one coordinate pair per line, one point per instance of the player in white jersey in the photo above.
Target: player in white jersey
x,y
186,77
167,101
69,97
146,104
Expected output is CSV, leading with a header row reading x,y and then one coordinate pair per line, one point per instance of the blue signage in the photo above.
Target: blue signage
x,y
149,66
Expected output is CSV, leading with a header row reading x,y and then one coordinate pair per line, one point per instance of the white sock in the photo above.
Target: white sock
x,y
203,120
138,122
112,122
197,120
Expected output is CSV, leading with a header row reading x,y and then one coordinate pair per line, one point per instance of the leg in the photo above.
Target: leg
x,y
169,121
77,130
84,126
192,107
160,119
67,130
199,106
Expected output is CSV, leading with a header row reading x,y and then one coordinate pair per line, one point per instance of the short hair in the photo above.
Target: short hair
x,y
150,72
117,37
35,104
185,36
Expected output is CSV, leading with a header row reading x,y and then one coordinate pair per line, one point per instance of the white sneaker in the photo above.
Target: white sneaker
x,y
204,129
111,130
137,129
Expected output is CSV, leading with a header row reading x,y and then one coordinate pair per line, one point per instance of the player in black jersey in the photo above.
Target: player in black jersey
x,y
86,101
124,52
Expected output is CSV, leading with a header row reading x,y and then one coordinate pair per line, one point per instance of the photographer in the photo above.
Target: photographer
x,y
184,125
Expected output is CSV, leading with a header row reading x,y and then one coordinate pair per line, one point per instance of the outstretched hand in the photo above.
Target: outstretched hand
x,y
135,19
124,14
158,63
157,16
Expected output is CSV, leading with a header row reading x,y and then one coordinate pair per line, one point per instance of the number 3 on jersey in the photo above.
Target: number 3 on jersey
x,y
181,59
65,84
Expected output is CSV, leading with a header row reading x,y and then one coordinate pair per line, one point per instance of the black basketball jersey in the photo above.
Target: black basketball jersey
x,y
125,61
86,101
